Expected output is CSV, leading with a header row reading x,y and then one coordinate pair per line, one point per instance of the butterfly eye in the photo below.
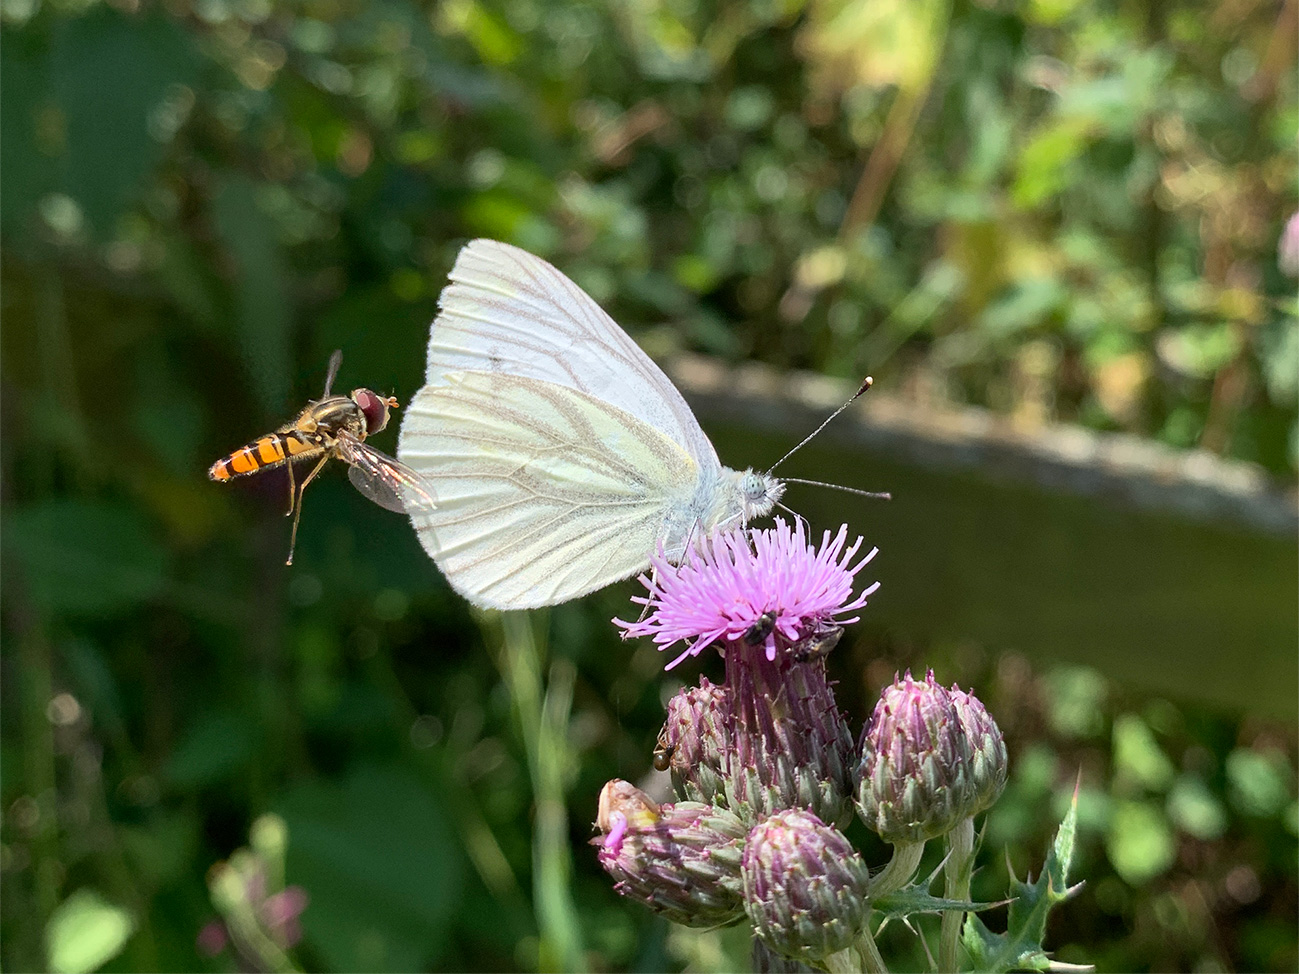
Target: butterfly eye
x,y
374,409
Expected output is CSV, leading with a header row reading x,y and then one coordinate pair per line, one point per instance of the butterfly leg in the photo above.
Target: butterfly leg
x,y
797,517
654,572
293,535
654,582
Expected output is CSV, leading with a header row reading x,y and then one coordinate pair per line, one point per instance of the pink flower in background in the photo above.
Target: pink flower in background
x,y
761,586
1287,248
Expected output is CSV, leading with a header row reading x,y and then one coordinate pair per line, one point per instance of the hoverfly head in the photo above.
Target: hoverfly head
x,y
374,408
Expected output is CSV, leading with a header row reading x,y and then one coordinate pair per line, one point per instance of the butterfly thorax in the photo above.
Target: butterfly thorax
x,y
723,500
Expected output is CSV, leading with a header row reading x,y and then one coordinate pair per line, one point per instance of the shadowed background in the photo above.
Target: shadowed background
x,y
1030,222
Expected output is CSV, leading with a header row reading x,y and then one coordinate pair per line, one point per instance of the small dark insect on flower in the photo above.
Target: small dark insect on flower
x,y
663,752
761,628
816,644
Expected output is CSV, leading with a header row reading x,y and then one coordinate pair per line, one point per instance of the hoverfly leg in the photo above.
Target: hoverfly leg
x,y
284,445
297,507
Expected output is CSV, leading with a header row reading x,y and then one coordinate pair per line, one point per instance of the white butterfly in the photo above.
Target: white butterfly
x,y
561,454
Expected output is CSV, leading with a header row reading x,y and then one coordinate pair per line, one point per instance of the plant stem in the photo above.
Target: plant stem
x,y
960,859
543,724
842,962
903,865
872,959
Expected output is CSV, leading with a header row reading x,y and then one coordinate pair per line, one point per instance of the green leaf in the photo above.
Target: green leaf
x,y
24,155
916,898
1020,947
1138,756
1139,842
263,313
85,932
216,747
110,148
85,557
378,855
1044,168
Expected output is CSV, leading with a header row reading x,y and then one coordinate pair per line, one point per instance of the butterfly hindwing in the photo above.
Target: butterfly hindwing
x,y
545,492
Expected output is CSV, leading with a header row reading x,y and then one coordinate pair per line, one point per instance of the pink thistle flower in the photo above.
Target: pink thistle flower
x,y
763,586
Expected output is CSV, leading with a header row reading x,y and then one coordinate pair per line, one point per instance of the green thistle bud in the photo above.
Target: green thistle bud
x,y
767,961
915,779
988,763
805,886
681,861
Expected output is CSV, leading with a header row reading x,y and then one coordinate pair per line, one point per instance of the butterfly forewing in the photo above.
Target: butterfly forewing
x,y
507,311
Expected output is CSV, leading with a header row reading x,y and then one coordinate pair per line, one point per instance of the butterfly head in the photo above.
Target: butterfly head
x,y
759,493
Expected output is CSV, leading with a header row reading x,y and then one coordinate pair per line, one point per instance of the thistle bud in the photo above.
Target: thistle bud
x,y
695,742
988,764
805,886
915,779
792,748
681,861
767,961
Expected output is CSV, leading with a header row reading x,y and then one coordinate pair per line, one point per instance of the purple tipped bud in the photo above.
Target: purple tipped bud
x,y
988,764
805,886
791,747
682,860
696,742
915,777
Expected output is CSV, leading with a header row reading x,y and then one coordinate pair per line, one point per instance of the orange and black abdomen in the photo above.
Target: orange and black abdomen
x,y
266,451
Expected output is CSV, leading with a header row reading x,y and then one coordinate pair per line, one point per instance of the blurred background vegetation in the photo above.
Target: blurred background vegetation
x,y
1063,210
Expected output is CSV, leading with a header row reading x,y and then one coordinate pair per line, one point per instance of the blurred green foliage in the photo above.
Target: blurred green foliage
x,y
1062,209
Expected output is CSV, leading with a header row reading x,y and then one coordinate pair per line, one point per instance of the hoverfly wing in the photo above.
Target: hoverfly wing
x,y
335,361
388,482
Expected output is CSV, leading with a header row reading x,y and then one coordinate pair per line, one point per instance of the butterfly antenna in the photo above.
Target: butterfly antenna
x,y
877,495
866,384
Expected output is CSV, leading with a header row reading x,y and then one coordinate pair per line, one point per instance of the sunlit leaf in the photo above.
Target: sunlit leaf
x,y
85,932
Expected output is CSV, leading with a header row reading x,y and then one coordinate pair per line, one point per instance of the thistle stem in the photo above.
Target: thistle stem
x,y
872,959
960,859
903,865
841,963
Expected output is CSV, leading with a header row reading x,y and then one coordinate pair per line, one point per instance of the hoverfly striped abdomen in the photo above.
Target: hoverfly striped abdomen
x,y
265,451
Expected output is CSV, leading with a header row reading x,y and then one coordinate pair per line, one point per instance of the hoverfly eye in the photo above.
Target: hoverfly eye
x,y
374,409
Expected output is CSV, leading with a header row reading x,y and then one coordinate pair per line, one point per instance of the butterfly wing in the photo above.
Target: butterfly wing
x,y
544,492
509,312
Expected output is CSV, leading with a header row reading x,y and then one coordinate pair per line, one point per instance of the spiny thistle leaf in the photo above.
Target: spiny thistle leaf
x,y
1020,947
915,898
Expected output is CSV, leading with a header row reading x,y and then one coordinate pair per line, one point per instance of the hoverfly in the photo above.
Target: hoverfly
x,y
334,426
